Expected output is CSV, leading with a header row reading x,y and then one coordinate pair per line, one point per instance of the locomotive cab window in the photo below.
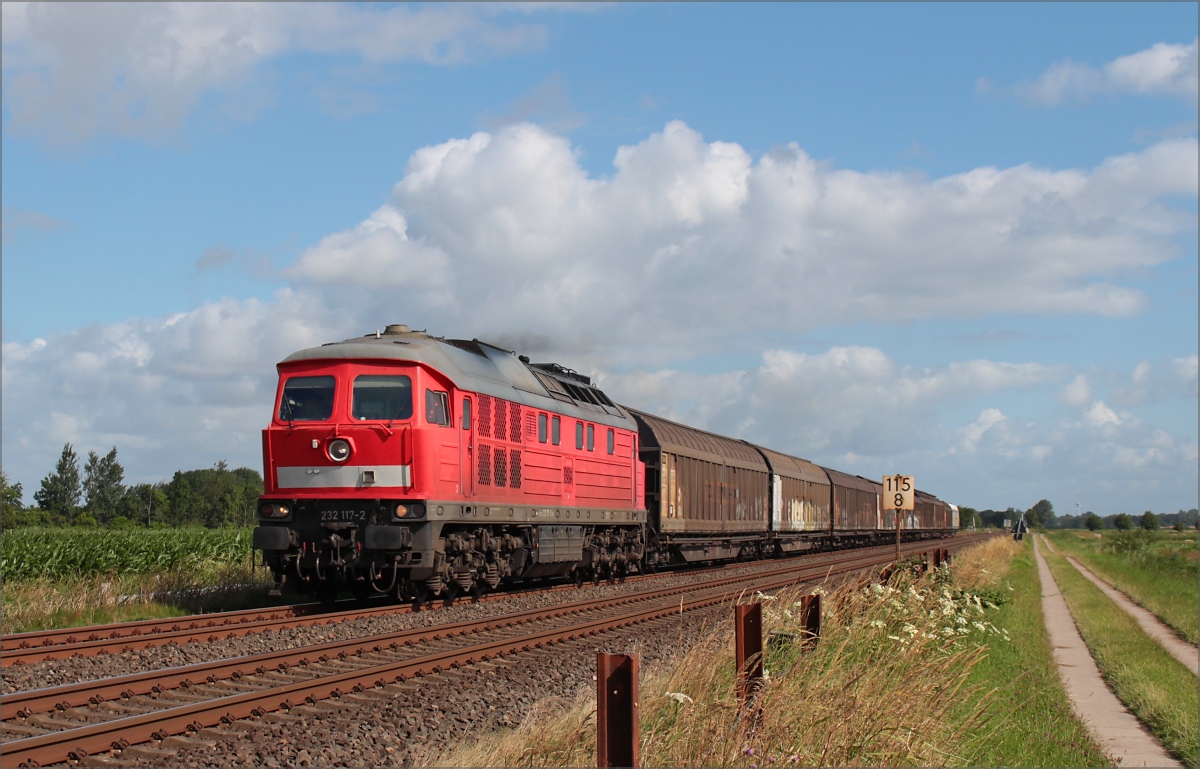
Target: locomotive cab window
x,y
579,435
382,397
611,441
541,428
591,437
437,408
466,414
555,430
307,399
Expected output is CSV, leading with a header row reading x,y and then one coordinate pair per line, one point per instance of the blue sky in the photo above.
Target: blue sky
x,y
957,241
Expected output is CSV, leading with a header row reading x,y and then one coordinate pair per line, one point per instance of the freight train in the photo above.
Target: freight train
x,y
423,467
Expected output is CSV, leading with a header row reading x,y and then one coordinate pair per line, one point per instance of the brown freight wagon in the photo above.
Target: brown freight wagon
x,y
800,502
856,514
707,493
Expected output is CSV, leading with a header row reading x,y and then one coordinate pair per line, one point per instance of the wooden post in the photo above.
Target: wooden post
x,y
748,646
897,537
617,738
810,618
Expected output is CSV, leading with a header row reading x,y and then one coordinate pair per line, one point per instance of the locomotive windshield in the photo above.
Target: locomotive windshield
x,y
307,399
382,397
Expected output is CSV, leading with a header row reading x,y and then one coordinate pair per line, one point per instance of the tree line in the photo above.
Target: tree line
x,y
96,495
1042,516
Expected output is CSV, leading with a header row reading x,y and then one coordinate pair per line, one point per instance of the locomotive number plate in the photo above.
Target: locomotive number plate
x,y
343,515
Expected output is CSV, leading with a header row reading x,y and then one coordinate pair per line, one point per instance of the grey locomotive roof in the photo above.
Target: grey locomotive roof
x,y
475,366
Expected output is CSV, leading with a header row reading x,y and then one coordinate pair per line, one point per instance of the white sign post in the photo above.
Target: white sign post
x,y
898,495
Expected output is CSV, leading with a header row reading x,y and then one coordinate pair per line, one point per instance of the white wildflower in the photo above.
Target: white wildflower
x,y
680,697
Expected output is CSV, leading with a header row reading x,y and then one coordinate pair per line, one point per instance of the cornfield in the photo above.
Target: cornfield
x,y
31,554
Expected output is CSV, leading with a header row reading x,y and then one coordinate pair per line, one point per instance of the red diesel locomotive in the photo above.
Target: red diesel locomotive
x,y
420,466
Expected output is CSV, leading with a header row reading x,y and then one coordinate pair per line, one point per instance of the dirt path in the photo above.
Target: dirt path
x,y
1113,727
1152,625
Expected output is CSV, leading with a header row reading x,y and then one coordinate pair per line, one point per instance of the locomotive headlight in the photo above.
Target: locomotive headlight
x,y
269,510
414,510
339,450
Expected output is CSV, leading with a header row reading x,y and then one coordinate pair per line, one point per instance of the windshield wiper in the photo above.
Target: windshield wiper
x,y
291,416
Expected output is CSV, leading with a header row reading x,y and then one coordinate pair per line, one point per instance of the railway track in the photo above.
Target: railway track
x,y
39,646
70,722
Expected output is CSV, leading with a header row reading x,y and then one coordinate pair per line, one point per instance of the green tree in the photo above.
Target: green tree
x,y
1041,514
1094,522
103,483
12,498
146,503
1123,522
1149,521
967,517
61,490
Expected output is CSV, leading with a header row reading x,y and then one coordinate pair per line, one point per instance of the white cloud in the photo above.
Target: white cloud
x,y
137,69
1078,393
1164,68
689,234
972,433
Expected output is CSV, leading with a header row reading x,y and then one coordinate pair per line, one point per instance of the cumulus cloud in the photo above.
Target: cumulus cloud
x,y
688,233
137,69
1164,68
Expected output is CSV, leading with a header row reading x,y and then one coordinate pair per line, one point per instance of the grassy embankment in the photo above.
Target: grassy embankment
x,y
952,670
1158,570
1155,686
56,578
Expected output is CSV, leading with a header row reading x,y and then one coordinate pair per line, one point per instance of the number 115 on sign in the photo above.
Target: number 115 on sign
x,y
898,492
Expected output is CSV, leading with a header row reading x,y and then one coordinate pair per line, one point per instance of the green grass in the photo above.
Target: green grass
x,y
1155,686
1158,570
1028,719
207,586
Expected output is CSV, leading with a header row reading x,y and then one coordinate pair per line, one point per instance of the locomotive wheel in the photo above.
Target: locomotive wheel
x,y
420,598
448,595
477,591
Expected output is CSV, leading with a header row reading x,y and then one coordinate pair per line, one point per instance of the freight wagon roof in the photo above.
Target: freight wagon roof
x,y
698,444
794,467
853,481
474,366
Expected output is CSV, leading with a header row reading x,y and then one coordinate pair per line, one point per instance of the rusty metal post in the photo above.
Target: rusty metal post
x,y
946,555
617,738
748,646
937,557
810,618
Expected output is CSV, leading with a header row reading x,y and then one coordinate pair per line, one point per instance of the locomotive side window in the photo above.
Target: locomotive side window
x,y
579,435
591,437
382,397
611,441
437,408
307,399
541,428
555,430
466,413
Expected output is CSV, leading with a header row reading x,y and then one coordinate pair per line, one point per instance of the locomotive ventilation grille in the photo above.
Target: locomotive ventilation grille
x,y
514,423
485,465
514,469
500,467
485,417
500,413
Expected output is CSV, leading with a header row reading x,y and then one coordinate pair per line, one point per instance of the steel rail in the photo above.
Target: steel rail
x,y
77,743
40,646
73,695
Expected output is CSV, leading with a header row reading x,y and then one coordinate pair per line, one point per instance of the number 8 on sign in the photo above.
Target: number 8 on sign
x,y
898,492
